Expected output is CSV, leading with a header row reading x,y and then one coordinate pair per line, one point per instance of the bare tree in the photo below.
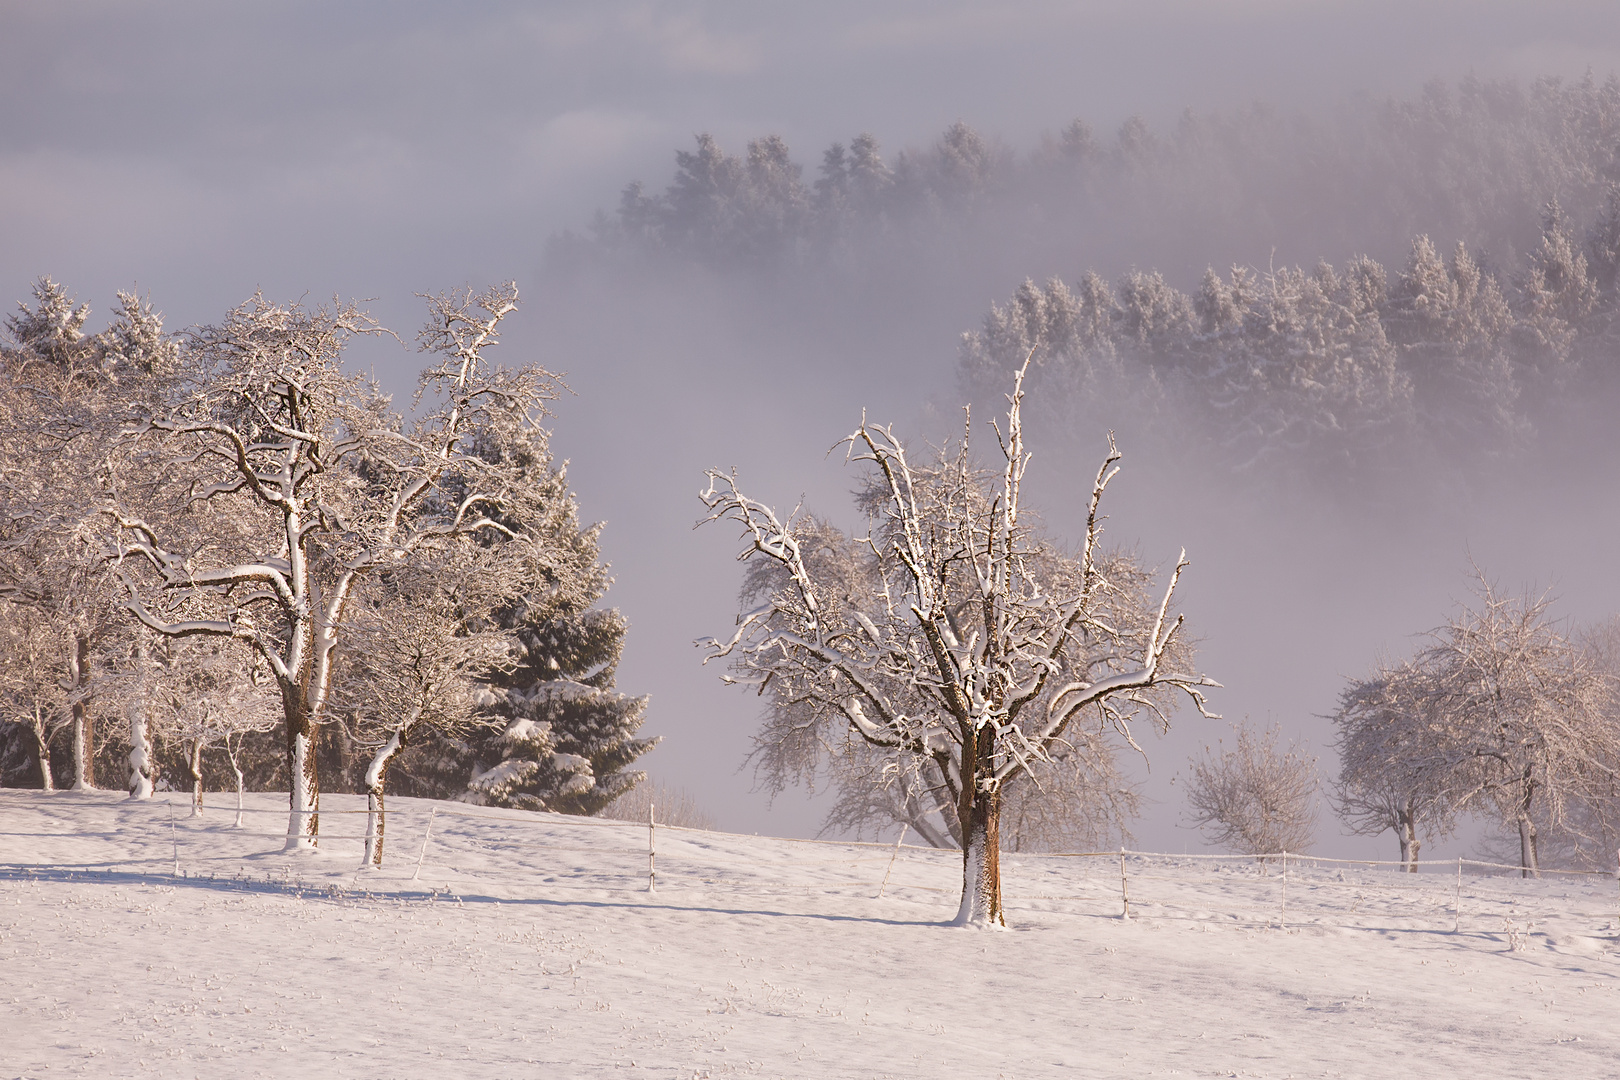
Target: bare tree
x,y
1079,797
972,654
63,394
1525,713
30,693
1591,833
203,693
289,481
418,641
1384,724
1254,798
668,805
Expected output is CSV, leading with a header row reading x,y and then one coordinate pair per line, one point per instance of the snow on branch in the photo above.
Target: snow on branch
x,y
929,636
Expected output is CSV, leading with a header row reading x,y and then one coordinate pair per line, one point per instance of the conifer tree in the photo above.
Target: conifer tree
x,y
561,737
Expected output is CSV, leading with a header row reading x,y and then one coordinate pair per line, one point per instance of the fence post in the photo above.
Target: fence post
x,y
1124,890
904,826
1456,927
1282,919
652,876
423,853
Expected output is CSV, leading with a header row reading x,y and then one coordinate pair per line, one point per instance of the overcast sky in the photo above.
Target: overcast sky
x,y
201,150
384,148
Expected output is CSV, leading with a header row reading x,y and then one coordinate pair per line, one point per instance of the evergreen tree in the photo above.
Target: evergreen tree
x,y
562,738
1603,243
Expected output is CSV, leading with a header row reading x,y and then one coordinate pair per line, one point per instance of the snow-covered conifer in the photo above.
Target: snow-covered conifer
x,y
559,736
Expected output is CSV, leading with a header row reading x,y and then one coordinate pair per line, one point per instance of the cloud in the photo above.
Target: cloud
x,y
686,46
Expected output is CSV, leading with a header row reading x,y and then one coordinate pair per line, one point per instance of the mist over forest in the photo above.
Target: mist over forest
x,y
1347,355
1353,335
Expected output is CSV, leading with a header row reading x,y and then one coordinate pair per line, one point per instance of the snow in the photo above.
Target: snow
x,y
530,946
500,774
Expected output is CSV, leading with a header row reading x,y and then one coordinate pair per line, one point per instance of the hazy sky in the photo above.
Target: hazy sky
x,y
384,148
202,150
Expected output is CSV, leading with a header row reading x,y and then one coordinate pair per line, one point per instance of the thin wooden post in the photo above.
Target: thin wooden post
x,y
423,853
1124,889
1282,919
652,850
881,887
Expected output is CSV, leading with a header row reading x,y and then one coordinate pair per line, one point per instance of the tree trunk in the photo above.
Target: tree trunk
x,y
42,750
230,752
1527,848
1410,844
303,787
376,781
84,731
194,760
142,758
981,865
1529,866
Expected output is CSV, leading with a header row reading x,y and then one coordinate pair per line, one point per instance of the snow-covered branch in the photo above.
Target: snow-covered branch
x,y
923,640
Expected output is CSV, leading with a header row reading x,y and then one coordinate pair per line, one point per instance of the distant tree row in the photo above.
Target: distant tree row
x,y
1473,160
1328,366
209,537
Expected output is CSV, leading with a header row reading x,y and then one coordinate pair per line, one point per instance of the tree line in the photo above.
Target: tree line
x,y
1329,371
1474,159
222,539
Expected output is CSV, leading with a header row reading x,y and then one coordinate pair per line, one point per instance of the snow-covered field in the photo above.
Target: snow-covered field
x,y
530,946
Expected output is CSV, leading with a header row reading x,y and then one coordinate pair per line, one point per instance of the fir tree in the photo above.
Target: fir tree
x,y
561,737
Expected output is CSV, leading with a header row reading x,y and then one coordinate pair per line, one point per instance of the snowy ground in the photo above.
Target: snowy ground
x,y
530,947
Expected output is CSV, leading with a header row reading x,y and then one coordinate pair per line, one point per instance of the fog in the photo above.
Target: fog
x,y
380,150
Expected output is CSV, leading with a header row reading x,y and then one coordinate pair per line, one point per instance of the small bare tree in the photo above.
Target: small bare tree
x,y
1253,797
974,653
30,692
203,693
418,640
669,805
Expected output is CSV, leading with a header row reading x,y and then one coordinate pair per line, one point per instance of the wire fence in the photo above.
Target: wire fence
x,y
567,854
